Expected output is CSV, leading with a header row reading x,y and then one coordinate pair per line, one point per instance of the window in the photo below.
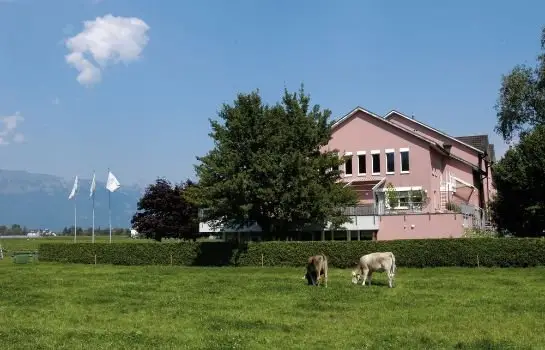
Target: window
x,y
362,166
406,199
348,164
375,160
390,162
404,160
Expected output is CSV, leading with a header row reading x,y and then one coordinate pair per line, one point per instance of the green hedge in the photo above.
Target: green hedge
x,y
409,253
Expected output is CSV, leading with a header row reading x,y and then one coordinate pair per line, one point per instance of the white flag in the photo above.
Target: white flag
x,y
93,186
74,188
112,184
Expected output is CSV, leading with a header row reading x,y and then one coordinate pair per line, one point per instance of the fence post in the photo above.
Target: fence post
x,y
170,259
478,265
95,259
261,260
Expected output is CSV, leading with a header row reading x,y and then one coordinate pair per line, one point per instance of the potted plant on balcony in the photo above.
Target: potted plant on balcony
x,y
418,199
392,198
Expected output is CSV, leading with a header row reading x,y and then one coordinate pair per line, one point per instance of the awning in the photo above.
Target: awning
x,y
464,183
367,180
403,189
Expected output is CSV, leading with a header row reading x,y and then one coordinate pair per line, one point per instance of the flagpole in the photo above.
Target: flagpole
x,y
112,184
110,214
110,209
93,232
75,218
93,195
73,196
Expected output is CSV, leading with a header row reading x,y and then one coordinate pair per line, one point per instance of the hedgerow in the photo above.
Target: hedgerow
x,y
511,252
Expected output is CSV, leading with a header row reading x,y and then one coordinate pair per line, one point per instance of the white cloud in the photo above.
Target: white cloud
x,y
8,126
106,40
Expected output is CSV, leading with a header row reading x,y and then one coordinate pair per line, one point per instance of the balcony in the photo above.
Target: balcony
x,y
381,209
361,210
363,216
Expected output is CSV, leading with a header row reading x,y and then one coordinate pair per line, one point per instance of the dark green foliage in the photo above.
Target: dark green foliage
x,y
163,212
519,206
521,104
268,167
515,252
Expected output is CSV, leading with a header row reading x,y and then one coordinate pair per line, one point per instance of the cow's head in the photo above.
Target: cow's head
x,y
311,280
355,277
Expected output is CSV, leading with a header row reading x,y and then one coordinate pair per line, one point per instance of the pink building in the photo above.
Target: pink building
x,y
400,166
412,180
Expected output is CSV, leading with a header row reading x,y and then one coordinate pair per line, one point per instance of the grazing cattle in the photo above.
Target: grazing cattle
x,y
316,268
375,262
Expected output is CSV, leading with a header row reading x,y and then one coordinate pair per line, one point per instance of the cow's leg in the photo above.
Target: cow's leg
x,y
364,277
325,277
370,275
321,276
390,279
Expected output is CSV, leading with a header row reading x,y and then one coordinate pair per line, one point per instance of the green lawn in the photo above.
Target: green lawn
x,y
54,306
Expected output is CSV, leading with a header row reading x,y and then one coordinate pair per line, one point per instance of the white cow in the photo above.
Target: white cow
x,y
375,262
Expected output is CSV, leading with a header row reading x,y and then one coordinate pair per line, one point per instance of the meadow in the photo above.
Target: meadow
x,y
56,306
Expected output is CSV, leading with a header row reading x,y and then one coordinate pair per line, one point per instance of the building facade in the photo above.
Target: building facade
x,y
412,180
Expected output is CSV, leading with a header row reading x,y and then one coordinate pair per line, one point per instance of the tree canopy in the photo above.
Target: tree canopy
x,y
269,167
519,206
163,212
521,102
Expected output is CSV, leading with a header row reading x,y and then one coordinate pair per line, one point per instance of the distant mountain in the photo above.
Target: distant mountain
x,y
41,201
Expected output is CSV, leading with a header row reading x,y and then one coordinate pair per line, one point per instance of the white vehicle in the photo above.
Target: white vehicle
x,y
134,233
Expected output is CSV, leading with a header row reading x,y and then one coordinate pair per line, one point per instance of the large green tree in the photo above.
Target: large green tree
x,y
521,103
269,167
519,206
163,212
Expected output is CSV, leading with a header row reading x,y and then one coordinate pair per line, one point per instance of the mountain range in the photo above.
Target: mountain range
x,y
40,201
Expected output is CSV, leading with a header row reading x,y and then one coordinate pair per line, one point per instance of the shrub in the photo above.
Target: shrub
x,y
519,252
480,233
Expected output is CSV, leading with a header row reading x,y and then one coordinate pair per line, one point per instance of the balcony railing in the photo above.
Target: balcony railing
x,y
375,209
371,210
361,210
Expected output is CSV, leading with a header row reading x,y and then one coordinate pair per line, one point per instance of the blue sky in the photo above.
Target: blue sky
x,y
148,114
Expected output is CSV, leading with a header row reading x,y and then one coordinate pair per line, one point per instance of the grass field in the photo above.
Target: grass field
x,y
54,306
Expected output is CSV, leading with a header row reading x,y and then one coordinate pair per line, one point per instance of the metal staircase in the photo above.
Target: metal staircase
x,y
448,186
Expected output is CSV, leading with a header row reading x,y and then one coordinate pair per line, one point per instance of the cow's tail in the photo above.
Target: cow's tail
x,y
393,267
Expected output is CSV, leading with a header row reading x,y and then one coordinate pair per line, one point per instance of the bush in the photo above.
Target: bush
x,y
480,233
516,252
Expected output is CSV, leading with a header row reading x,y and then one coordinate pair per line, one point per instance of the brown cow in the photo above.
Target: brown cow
x,y
316,268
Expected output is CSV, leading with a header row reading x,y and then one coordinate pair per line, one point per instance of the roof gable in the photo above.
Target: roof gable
x,y
355,111
394,112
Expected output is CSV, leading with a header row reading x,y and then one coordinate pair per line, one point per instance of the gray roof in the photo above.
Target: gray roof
x,y
480,142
